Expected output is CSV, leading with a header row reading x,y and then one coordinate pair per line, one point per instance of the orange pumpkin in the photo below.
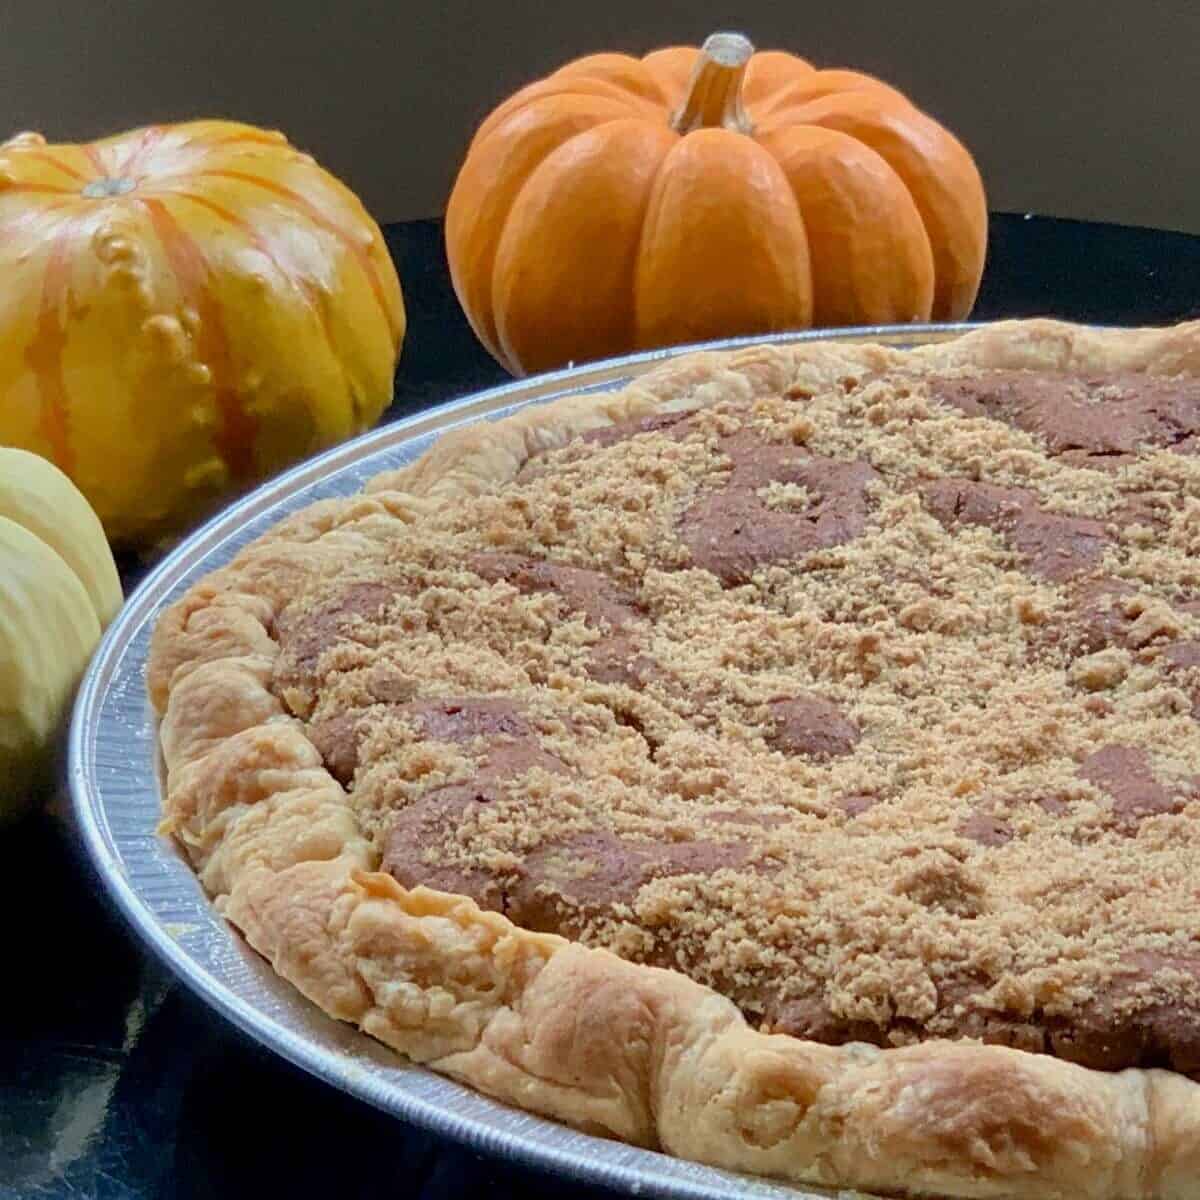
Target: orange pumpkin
x,y
623,203
185,310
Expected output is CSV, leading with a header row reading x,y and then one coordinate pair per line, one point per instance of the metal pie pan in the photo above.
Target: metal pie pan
x,y
114,777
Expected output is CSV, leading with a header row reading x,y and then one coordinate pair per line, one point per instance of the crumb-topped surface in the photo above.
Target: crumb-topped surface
x,y
872,705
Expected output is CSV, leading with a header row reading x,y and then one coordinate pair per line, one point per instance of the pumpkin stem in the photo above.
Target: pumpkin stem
x,y
714,95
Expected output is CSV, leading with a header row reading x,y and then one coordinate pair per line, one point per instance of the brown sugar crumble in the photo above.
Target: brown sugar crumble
x,y
874,707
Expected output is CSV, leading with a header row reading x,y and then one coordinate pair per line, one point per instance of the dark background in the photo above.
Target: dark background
x,y
1080,108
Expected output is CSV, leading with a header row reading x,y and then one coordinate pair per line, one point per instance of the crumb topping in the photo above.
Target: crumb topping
x,y
873,706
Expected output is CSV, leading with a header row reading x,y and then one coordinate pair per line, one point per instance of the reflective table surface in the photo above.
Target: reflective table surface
x,y
115,1083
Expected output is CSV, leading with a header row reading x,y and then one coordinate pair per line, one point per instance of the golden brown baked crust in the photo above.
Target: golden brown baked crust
x,y
624,1050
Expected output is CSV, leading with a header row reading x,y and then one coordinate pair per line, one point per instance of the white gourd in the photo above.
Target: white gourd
x,y
58,589
36,494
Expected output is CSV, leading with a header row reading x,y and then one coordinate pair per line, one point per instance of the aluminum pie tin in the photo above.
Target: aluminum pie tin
x,y
114,776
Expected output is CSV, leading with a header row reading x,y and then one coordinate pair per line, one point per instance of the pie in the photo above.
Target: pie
x,y
790,762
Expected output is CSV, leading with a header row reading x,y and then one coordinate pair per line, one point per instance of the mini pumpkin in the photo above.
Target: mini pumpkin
x,y
187,309
58,589
627,203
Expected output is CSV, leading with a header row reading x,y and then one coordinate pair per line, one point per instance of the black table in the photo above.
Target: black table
x,y
115,1082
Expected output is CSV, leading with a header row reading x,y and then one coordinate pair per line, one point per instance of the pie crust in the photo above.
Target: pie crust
x,y
616,1048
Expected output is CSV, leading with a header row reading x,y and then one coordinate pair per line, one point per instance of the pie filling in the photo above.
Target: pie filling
x,y
874,709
